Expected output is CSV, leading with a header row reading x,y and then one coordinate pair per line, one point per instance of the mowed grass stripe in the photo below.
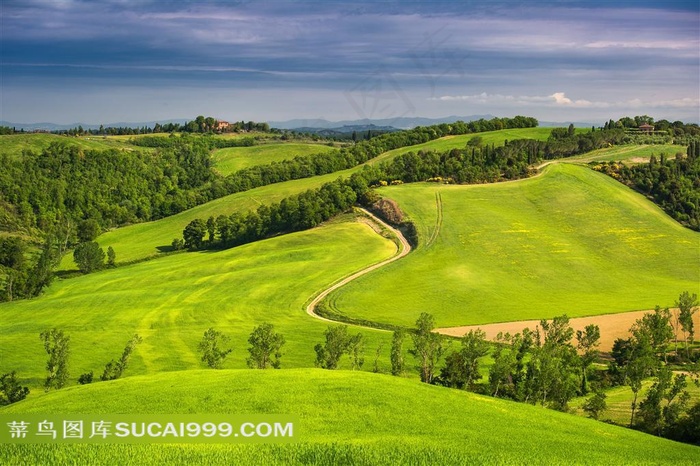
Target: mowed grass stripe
x,y
570,241
233,159
172,301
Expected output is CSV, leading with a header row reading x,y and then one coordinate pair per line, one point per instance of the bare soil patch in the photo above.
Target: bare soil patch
x,y
612,327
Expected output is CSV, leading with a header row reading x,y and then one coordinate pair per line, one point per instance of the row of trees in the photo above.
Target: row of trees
x,y
210,140
665,410
265,351
200,124
672,183
295,213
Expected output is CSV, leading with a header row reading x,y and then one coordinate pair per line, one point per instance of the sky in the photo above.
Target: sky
x,y
66,61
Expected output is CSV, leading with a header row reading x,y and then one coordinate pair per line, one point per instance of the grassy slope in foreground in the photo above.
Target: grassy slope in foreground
x,y
570,241
170,302
348,418
232,159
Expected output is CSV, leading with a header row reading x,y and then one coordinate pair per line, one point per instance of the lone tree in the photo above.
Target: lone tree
x,y
111,257
588,340
595,405
88,230
687,306
356,351
89,257
115,369
193,234
210,347
57,346
337,343
397,362
265,347
641,363
10,389
427,347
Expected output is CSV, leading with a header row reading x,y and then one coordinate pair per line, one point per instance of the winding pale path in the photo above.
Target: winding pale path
x,y
403,251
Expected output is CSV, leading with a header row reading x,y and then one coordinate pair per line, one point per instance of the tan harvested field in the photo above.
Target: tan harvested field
x,y
612,327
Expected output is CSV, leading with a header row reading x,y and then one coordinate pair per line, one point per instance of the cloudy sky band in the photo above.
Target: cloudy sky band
x,y
439,56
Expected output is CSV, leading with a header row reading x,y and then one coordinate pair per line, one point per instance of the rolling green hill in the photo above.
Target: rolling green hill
x,y
629,152
569,241
144,240
14,144
345,418
171,301
232,159
446,143
149,239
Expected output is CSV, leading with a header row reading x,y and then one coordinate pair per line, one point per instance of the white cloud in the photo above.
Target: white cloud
x,y
559,99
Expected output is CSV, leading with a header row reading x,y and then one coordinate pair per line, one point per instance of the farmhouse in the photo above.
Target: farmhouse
x,y
646,128
222,125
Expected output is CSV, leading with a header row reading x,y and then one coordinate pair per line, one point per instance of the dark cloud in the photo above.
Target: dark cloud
x,y
427,49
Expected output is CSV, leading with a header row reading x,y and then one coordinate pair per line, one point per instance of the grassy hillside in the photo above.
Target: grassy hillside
x,y
144,240
345,418
446,143
170,302
569,241
232,159
14,144
630,153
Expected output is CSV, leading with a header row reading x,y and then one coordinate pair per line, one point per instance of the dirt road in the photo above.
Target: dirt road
x,y
401,252
612,327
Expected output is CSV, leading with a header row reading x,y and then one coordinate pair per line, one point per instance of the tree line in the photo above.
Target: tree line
x,y
200,124
549,365
265,352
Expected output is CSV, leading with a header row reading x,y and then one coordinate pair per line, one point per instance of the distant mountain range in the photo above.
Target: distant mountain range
x,y
398,123
302,125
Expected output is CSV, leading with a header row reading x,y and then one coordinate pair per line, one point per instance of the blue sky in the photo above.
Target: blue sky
x,y
66,61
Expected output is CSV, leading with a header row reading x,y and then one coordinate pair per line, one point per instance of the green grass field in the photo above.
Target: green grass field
x,y
446,143
569,241
149,239
232,159
14,144
344,418
632,153
171,301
